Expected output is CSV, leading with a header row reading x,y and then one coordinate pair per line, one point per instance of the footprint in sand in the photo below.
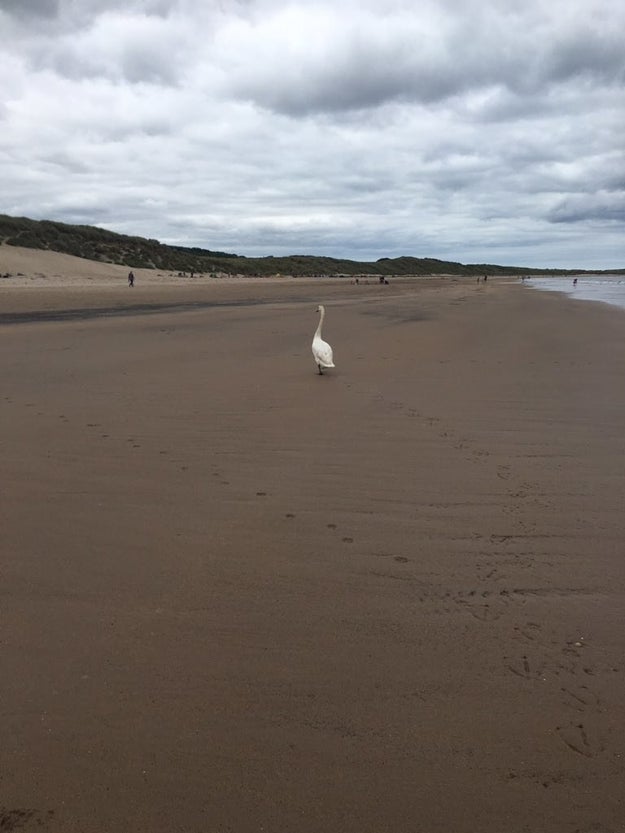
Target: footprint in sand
x,y
348,540
521,668
578,740
482,612
529,632
581,698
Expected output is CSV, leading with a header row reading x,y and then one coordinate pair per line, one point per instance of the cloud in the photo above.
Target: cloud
x,y
333,60
24,8
370,129
602,207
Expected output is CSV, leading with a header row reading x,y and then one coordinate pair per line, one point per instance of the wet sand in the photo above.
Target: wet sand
x,y
237,596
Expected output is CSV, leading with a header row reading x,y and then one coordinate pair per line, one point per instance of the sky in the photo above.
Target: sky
x,y
464,130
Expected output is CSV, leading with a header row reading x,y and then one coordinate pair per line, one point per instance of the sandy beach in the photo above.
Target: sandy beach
x,y
238,596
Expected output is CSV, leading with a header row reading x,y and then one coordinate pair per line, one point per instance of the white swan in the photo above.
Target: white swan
x,y
321,350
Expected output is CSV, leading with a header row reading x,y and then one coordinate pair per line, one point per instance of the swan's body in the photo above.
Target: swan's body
x,y
321,350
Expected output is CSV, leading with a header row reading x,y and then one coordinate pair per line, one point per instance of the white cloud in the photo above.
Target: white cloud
x,y
470,131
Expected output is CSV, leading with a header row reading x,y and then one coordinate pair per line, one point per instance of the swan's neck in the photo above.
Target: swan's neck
x,y
318,332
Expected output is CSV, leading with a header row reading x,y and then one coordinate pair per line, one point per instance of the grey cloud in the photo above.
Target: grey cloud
x,y
25,8
356,84
78,13
65,163
357,70
136,67
149,7
591,54
80,215
604,207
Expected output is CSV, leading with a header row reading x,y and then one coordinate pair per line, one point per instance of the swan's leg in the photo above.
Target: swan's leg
x,y
320,372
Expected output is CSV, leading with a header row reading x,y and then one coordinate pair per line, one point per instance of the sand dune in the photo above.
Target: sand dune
x,y
37,267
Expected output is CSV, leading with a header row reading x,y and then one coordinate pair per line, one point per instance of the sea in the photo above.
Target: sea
x,y
607,289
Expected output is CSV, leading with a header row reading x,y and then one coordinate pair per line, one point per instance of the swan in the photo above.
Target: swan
x,y
321,350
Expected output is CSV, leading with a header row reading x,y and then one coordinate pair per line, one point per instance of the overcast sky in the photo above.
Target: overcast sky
x,y
464,130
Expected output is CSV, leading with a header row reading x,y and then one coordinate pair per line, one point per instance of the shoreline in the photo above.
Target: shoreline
x,y
597,289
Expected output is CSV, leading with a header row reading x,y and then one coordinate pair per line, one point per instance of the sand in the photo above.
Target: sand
x,y
237,596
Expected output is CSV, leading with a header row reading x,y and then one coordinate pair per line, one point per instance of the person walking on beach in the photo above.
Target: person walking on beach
x,y
131,279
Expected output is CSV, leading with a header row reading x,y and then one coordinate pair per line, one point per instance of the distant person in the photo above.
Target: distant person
x,y
485,277
131,279
574,281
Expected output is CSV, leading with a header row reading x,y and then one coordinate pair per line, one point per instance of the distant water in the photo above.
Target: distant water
x,y
604,288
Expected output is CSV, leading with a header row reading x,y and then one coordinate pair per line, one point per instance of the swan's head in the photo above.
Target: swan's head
x,y
320,308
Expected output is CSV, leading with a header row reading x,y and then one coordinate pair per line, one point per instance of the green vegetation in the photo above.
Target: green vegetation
x,y
137,252
98,244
